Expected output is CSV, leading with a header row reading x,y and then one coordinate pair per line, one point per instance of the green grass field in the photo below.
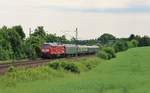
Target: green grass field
x,y
128,73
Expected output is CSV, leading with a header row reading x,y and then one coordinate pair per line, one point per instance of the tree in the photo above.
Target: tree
x,y
131,37
106,38
32,46
144,41
20,31
40,32
120,45
51,38
11,43
135,42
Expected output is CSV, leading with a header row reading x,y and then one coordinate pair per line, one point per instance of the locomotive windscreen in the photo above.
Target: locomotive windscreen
x,y
45,46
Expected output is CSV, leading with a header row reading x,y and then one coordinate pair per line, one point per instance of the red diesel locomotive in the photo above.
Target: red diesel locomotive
x,y
50,50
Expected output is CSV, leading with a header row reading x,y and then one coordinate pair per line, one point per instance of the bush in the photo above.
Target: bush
x,y
120,45
103,55
68,66
107,53
130,44
135,43
4,54
12,69
89,64
110,52
54,65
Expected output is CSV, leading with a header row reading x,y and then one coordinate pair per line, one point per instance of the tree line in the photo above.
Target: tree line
x,y
15,45
110,45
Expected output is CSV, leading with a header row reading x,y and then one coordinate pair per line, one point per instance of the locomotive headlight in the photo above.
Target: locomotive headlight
x,y
45,50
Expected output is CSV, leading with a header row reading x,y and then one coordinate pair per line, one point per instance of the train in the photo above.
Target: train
x,y
53,50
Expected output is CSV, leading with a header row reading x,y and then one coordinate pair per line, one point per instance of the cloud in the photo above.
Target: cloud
x,y
85,6
102,6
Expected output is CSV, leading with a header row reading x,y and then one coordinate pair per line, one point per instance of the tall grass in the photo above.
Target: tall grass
x,y
56,69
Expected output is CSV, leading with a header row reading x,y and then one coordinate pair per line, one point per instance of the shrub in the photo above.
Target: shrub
x,y
130,44
135,43
54,65
120,46
39,73
4,54
89,64
12,69
103,55
110,52
107,53
68,66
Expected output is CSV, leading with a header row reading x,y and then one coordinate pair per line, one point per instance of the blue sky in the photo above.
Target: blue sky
x,y
92,17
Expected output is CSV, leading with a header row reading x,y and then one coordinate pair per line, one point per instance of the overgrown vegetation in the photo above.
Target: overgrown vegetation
x,y
106,53
15,45
68,66
54,69
109,50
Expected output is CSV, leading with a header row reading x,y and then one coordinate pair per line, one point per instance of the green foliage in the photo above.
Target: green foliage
x,y
130,44
106,53
24,75
16,75
14,45
20,31
5,54
39,32
106,38
88,64
110,51
11,43
132,37
135,43
68,66
144,41
103,55
120,45
120,75
54,38
12,69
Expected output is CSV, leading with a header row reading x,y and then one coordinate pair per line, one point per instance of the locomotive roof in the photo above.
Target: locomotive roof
x,y
53,44
69,45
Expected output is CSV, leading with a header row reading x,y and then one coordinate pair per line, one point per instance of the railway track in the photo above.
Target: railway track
x,y
4,67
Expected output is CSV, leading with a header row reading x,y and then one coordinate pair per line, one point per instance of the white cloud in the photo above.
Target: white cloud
x,y
74,3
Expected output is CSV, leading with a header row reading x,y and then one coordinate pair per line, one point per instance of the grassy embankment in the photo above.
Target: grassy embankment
x,y
128,73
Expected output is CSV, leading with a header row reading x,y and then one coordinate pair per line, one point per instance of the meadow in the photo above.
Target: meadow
x,y
129,72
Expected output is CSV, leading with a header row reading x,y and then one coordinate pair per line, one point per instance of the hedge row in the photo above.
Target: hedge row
x,y
109,52
73,66
106,53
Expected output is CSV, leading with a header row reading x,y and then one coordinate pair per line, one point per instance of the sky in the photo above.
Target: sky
x,y
92,17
